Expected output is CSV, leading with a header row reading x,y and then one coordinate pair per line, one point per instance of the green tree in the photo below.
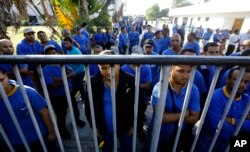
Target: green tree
x,y
180,3
153,12
164,12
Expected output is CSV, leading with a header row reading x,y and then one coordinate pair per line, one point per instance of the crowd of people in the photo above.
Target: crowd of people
x,y
129,41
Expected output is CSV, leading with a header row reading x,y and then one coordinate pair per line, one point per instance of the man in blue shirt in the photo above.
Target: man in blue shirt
x,y
39,106
54,81
217,36
85,32
42,36
175,44
134,38
207,36
100,38
67,34
158,35
164,41
216,109
29,46
81,40
123,41
6,48
192,44
179,76
147,35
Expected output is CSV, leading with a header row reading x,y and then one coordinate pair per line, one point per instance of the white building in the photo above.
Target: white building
x,y
223,14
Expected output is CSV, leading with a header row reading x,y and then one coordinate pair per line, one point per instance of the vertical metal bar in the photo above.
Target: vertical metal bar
x,y
164,77
184,108
230,100
137,86
242,119
91,107
51,112
5,137
72,117
207,103
113,97
27,102
13,117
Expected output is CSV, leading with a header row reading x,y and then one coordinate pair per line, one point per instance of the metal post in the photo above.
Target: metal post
x,y
72,117
184,108
51,112
91,107
160,107
27,102
5,137
113,96
137,86
230,100
207,103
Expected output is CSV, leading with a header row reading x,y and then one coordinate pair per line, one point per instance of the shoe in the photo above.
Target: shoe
x,y
65,134
80,123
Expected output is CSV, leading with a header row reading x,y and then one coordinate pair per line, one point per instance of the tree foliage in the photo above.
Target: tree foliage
x,y
180,3
154,12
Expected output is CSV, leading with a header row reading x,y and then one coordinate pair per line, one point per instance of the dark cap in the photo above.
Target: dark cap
x,y
148,42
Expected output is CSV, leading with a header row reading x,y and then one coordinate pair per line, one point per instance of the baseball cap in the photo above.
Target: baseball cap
x,y
28,30
50,46
137,50
149,42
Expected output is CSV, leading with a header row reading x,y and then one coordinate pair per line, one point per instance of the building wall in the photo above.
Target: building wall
x,y
246,25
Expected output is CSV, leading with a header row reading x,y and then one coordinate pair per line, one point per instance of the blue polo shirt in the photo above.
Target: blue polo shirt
x,y
169,52
108,108
194,45
193,105
86,34
216,109
148,35
217,37
25,48
65,49
133,38
54,71
145,75
82,41
163,43
199,82
50,42
21,112
100,38
156,47
207,36
155,71
123,39
77,68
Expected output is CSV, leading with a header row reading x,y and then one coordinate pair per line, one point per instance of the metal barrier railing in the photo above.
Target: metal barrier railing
x,y
164,61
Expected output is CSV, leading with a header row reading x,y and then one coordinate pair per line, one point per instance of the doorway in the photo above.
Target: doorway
x,y
237,24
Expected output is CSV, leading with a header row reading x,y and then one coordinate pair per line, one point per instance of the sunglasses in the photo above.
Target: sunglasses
x,y
148,47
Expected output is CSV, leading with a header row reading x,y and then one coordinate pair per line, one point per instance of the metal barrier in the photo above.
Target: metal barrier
x,y
164,61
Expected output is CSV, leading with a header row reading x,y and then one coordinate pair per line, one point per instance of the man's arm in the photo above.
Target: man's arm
x,y
47,120
173,117
192,118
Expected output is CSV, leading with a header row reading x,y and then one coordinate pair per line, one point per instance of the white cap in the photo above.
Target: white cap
x,y
28,30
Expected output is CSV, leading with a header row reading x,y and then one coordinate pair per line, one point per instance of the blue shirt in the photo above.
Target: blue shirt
x,y
193,105
123,39
86,34
77,68
217,37
23,117
194,45
145,75
64,47
93,69
82,41
100,38
207,74
163,43
155,71
25,48
169,52
53,71
108,108
148,35
199,82
216,109
156,47
207,36
58,47
25,78
133,38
